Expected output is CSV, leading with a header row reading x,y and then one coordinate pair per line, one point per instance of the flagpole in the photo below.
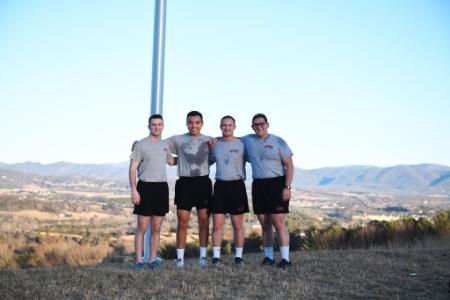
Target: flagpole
x,y
157,91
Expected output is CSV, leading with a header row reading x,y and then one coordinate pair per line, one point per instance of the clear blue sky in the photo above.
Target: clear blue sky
x,y
344,82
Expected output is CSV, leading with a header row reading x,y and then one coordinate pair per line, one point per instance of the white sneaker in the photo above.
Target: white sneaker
x,y
203,262
179,263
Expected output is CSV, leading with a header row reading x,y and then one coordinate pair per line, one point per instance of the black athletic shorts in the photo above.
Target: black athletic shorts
x,y
267,196
154,199
193,192
230,197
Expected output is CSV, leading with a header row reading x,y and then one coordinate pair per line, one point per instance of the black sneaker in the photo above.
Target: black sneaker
x,y
239,261
268,262
216,261
284,264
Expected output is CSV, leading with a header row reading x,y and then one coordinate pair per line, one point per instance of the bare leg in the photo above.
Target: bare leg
x,y
156,222
183,222
280,228
267,231
238,230
218,221
203,224
142,222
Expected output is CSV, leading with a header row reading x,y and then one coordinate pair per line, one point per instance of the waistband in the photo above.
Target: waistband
x,y
194,177
269,179
236,180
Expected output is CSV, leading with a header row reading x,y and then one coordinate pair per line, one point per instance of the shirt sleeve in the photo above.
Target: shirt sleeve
x,y
136,155
171,143
285,151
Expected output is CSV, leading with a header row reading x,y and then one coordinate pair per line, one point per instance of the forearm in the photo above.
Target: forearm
x,y
132,177
289,165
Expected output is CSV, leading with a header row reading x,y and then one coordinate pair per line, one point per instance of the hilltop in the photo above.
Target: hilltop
x,y
341,274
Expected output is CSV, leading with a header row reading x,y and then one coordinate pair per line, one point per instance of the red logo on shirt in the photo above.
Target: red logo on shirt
x,y
268,147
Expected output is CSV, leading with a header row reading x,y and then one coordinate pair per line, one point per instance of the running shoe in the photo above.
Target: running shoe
x,y
239,261
138,266
203,262
284,264
268,261
216,261
154,265
179,263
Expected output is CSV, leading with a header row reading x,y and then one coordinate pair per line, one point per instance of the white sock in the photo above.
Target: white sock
x,y
268,251
180,253
238,251
216,252
284,251
203,252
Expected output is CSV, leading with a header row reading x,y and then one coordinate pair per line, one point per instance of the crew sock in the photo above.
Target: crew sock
x,y
180,253
284,251
268,251
238,251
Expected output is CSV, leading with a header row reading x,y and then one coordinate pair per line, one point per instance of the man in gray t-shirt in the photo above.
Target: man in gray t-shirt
x,y
151,194
273,170
230,195
193,188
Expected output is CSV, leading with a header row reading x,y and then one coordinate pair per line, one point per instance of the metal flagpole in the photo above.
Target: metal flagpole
x,y
156,102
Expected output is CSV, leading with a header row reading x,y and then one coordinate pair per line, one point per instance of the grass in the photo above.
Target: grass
x,y
402,273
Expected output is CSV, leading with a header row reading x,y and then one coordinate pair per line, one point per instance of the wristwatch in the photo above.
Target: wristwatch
x,y
288,187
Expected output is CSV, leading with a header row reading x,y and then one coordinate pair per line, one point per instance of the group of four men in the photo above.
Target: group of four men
x,y
272,170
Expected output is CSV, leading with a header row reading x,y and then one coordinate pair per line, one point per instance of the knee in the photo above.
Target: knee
x,y
156,228
217,226
279,225
238,226
183,222
203,222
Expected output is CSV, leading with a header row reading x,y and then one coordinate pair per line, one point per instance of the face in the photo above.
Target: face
x,y
260,126
194,125
227,126
156,127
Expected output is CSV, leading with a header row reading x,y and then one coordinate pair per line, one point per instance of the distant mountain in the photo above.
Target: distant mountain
x,y
104,171
402,178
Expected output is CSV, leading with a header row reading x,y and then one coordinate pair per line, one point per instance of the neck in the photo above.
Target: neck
x,y
155,137
228,138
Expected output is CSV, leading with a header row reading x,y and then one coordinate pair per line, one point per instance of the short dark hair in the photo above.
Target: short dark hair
x,y
155,116
259,115
228,117
193,114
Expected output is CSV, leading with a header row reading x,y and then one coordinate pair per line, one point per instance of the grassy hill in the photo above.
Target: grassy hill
x,y
402,273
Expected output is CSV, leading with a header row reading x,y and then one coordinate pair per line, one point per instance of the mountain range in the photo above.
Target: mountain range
x,y
401,178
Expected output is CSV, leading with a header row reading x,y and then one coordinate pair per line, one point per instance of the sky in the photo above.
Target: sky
x,y
343,82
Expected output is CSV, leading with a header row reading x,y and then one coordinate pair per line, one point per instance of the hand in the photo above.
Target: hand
x,y
212,143
135,197
286,194
133,146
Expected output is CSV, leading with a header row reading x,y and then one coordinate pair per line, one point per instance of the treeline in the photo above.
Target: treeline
x,y
404,232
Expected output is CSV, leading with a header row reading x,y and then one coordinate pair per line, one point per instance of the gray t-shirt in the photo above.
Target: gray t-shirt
x,y
229,158
193,154
152,157
266,155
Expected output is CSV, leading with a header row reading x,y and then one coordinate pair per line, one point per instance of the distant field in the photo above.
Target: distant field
x,y
345,274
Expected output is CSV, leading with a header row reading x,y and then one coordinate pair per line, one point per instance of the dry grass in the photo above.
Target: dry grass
x,y
343,274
